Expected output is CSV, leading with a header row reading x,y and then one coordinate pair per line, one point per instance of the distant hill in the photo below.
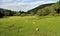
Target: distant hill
x,y
2,10
46,9
7,12
40,7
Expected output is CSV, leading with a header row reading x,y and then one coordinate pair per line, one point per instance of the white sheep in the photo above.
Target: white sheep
x,y
37,29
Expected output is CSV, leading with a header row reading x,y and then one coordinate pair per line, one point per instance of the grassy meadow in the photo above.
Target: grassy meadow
x,y
26,26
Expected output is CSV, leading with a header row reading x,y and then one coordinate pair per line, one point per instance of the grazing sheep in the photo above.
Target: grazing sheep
x,y
37,29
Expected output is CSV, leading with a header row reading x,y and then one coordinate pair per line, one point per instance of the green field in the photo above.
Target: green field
x,y
26,26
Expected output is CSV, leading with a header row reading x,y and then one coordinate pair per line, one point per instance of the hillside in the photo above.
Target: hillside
x,y
40,7
45,9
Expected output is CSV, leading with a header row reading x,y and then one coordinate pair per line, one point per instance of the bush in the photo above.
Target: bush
x,y
43,12
1,15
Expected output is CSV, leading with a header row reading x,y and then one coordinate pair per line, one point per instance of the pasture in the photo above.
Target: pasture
x,y
26,26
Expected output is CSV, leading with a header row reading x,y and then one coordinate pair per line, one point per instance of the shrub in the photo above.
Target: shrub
x,y
1,15
43,12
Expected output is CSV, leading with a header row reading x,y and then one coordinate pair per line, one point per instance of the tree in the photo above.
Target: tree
x,y
31,13
58,10
17,14
22,13
43,12
1,15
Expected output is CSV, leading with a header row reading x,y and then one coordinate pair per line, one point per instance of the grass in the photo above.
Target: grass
x,y
26,26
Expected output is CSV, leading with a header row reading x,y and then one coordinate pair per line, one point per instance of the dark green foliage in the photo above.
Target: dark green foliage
x,y
17,14
58,10
22,13
6,12
43,12
1,15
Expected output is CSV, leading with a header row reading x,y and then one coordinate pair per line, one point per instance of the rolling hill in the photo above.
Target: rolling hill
x,y
40,7
50,7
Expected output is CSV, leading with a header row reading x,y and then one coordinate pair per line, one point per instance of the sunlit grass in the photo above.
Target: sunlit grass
x,y
26,26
